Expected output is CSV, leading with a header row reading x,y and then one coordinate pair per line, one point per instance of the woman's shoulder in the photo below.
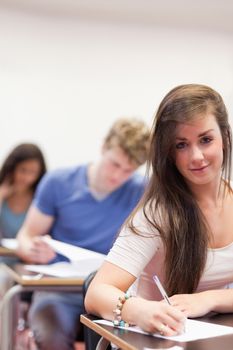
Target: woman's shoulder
x,y
132,251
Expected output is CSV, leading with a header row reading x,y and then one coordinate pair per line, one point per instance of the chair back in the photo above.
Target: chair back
x,y
90,337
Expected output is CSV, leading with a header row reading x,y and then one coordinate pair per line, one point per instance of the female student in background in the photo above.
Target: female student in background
x,y
19,175
182,229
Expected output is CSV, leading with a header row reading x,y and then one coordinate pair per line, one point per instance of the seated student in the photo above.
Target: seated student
x,y
20,173
84,206
182,229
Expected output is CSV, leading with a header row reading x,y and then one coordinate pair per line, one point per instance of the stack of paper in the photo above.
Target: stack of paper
x,y
10,243
82,261
79,269
72,252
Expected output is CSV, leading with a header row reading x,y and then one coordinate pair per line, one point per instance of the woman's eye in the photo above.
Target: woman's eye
x,y
206,139
181,145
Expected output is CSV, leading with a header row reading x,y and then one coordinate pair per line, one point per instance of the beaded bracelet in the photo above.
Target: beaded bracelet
x,y
118,322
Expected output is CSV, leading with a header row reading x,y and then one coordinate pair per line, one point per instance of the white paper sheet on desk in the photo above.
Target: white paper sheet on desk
x,y
10,243
72,252
193,330
79,269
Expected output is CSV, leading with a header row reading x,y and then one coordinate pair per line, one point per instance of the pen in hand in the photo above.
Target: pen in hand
x,y
161,289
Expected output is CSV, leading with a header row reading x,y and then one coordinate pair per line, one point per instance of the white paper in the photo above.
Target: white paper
x,y
172,348
72,252
10,243
193,330
79,269
82,261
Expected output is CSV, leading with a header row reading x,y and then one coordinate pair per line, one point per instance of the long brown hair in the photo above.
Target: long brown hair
x,y
185,234
19,154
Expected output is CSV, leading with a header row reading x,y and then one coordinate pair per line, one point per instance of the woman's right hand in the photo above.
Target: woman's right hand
x,y
157,317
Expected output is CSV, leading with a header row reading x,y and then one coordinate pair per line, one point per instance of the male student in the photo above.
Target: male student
x,y
84,206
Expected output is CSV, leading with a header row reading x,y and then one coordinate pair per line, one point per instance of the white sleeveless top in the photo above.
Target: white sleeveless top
x,y
218,271
144,257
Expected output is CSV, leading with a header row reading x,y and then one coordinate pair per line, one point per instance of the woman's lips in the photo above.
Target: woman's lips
x,y
199,169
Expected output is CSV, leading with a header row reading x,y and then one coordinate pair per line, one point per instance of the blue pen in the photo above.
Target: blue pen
x,y
161,289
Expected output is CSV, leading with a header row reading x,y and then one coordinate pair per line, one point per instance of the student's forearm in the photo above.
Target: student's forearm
x,y
222,300
24,242
23,239
103,302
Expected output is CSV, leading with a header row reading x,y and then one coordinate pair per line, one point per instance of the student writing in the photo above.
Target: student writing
x,y
182,229
85,206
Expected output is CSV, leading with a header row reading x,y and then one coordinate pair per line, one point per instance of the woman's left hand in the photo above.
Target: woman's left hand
x,y
193,305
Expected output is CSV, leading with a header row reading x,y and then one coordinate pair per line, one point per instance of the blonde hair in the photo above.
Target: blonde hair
x,y
132,136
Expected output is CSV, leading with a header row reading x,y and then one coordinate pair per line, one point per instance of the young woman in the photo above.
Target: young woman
x,y
182,229
19,175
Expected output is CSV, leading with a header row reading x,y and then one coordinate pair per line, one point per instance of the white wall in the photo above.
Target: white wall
x,y
63,82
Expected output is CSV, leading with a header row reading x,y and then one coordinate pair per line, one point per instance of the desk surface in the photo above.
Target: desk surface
x,y
6,251
27,278
128,340
26,281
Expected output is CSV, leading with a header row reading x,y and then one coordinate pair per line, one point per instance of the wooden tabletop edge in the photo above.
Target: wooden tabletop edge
x,y
106,334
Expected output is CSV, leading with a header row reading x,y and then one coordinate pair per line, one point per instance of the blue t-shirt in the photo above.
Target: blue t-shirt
x,y
10,222
80,218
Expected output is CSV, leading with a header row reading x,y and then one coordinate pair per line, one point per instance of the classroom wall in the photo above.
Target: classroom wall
x,y
64,80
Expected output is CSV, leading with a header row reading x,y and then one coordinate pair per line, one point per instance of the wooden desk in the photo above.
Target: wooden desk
x,y
9,314
19,274
6,251
127,340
